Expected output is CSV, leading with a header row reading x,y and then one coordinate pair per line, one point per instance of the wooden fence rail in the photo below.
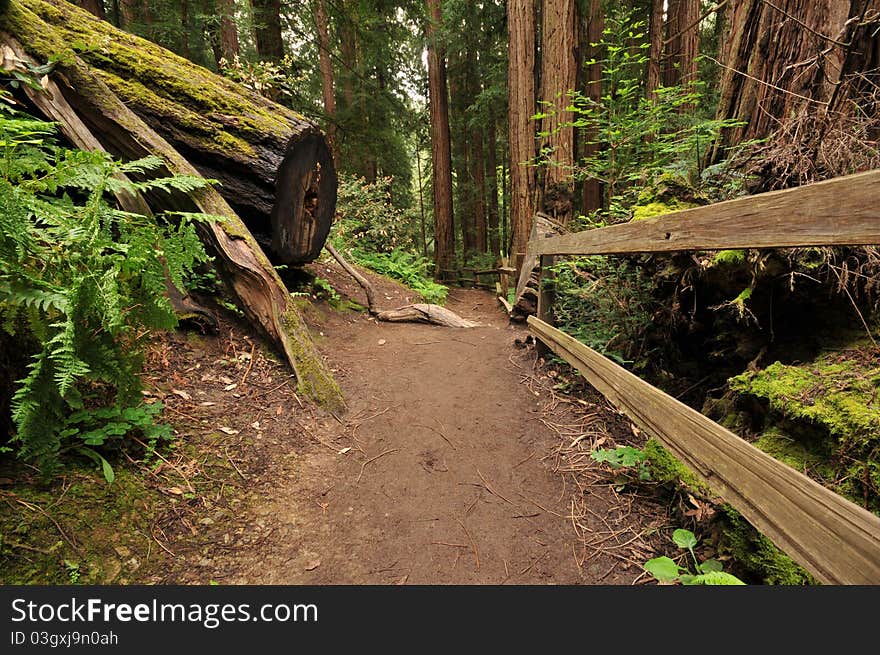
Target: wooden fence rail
x,y
834,539
839,212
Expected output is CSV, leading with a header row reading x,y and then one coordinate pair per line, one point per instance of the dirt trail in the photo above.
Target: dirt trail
x,y
437,475
455,464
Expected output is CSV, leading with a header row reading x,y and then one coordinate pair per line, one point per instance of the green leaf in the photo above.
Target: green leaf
x,y
711,566
109,475
663,568
684,538
714,578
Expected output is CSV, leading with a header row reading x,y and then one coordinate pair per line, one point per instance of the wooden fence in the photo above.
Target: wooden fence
x,y
834,539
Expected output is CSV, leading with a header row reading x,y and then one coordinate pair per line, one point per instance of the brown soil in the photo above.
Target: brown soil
x,y
454,464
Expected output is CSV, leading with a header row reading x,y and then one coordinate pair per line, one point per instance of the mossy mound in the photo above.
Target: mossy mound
x,y
824,418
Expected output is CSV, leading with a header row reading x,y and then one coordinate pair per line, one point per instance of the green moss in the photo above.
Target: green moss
x,y
313,378
728,257
796,453
837,393
659,208
666,468
99,520
146,77
757,554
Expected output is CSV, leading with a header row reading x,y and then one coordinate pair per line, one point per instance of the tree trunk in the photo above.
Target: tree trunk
x,y
327,91
786,63
492,188
441,153
558,80
229,47
591,30
655,50
267,29
478,166
49,27
184,31
521,94
682,42
95,7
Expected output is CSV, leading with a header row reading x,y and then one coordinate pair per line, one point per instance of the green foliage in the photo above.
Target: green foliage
x,y
382,237
624,457
641,138
604,302
369,221
708,572
80,279
404,267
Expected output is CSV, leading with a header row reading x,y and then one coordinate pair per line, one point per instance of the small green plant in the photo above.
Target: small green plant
x,y
82,284
73,572
323,289
624,457
709,572
95,428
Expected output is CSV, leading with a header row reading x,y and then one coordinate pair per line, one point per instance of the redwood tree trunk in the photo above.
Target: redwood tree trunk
x,y
592,26
558,79
682,42
441,153
95,7
327,91
788,62
491,148
521,100
478,165
229,47
655,51
267,29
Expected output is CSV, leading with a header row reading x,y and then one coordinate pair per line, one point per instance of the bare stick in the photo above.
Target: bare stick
x,y
373,459
249,366
492,491
435,430
360,279
473,543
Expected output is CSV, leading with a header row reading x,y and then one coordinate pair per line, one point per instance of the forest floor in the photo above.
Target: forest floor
x,y
459,461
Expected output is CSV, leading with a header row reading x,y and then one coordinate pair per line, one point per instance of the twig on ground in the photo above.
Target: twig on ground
x,y
473,543
373,459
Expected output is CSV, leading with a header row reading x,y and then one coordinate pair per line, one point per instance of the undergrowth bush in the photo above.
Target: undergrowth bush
x,y
382,237
82,283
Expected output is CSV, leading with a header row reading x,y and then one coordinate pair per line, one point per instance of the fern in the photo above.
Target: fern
x,y
82,280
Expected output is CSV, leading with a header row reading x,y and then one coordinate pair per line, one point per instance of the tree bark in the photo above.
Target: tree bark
x,y
49,27
267,29
95,7
592,27
478,165
788,60
558,80
441,152
492,188
521,94
682,43
326,66
655,49
229,46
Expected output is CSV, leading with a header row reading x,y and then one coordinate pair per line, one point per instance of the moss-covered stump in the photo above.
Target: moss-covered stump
x,y
274,165
823,417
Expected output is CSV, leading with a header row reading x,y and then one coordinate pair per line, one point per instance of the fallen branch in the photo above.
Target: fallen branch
x,y
416,313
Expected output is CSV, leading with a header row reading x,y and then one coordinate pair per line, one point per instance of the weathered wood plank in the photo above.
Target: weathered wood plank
x,y
837,541
838,212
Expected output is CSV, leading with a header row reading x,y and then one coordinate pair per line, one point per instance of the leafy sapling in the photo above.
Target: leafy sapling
x,y
709,572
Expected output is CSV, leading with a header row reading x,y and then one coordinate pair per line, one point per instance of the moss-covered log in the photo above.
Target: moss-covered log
x,y
274,166
117,128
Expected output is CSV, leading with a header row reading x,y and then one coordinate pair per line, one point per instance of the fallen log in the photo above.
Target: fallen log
x,y
115,127
274,166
